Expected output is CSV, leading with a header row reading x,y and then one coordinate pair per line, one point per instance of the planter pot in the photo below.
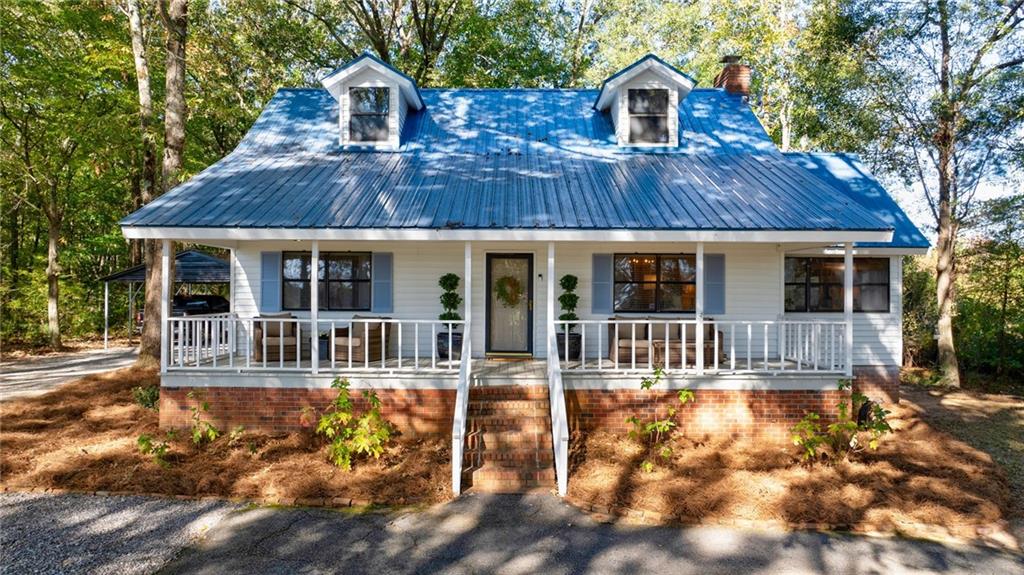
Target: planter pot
x,y
574,346
442,345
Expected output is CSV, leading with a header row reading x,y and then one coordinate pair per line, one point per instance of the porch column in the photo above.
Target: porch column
x,y
550,333
231,280
314,309
699,309
468,297
106,312
165,303
848,305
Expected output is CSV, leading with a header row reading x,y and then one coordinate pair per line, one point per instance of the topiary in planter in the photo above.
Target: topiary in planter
x,y
568,301
450,302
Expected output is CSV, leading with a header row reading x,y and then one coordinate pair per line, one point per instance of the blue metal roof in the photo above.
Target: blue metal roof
x,y
846,173
506,159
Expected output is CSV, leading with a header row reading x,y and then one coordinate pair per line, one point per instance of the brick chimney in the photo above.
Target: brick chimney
x,y
734,77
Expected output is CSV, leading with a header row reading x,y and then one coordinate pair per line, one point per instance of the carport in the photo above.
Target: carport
x,y
191,267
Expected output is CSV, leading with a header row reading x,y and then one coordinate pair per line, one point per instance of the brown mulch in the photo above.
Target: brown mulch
x,y
918,476
83,436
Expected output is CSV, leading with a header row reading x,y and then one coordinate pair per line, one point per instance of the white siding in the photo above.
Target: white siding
x,y
753,286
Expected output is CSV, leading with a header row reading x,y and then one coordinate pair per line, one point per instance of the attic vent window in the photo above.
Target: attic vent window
x,y
648,116
368,119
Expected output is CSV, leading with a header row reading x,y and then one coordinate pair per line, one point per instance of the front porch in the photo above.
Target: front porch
x,y
282,358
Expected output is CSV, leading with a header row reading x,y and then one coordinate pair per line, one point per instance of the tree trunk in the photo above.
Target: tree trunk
x,y
944,275
149,348
53,220
174,16
945,263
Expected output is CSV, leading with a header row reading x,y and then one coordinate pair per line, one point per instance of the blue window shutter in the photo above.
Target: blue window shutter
x,y
601,285
714,283
270,282
381,268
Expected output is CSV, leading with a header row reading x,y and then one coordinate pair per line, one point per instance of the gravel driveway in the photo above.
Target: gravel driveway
x,y
46,534
474,534
37,375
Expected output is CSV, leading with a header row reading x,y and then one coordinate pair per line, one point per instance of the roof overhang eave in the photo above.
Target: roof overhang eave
x,y
214,234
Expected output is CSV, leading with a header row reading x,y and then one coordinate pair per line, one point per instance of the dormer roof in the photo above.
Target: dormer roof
x,y
683,82
333,81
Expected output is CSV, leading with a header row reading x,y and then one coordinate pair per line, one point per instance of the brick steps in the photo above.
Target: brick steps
x,y
508,444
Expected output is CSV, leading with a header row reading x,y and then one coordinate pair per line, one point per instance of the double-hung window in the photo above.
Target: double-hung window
x,y
368,114
816,284
343,281
655,282
648,116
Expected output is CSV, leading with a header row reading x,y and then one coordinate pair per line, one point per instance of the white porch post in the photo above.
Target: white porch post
x,y
231,280
699,311
848,305
165,303
314,309
106,312
550,335
468,297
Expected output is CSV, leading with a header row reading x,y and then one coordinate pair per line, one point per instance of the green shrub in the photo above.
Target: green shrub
x,y
350,434
148,397
158,449
202,431
568,300
655,434
836,441
450,299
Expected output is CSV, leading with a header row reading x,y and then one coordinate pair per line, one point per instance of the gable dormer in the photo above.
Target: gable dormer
x,y
374,99
642,101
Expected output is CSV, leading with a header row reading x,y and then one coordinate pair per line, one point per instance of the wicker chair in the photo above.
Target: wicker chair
x,y
275,334
367,339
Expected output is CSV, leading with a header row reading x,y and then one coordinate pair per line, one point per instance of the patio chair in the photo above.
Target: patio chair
x,y
366,337
275,333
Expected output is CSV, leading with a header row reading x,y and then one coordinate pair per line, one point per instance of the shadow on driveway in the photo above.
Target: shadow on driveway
x,y
541,534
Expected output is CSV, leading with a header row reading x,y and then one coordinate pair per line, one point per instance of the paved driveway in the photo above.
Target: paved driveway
x,y
475,534
37,375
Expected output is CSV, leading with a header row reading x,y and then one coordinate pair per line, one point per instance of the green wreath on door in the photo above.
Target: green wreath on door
x,y
509,291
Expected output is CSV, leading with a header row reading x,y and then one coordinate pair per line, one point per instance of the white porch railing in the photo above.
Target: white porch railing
x,y
701,347
559,416
230,343
461,415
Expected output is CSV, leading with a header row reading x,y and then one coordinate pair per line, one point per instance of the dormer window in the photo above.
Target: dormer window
x,y
648,116
374,100
642,102
368,121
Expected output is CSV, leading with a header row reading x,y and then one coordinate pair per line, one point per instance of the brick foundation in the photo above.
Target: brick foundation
x,y
878,382
412,411
716,413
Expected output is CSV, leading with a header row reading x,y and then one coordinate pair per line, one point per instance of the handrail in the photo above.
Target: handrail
x,y
226,342
559,417
461,409
710,346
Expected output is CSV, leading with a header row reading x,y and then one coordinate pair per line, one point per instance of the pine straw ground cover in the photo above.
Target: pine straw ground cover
x,y
920,481
83,436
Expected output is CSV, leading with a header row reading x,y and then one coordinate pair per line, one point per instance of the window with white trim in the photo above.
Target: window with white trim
x,y
368,114
343,281
816,284
648,115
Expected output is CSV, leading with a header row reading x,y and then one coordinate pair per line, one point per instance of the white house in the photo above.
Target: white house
x,y
757,278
